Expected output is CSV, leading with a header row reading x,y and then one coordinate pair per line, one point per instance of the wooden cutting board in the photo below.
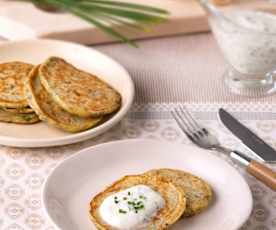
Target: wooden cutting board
x,y
21,20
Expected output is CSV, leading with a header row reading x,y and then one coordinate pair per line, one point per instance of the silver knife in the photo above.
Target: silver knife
x,y
247,137
256,144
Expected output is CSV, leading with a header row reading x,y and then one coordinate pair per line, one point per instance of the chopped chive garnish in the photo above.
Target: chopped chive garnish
x,y
122,211
134,204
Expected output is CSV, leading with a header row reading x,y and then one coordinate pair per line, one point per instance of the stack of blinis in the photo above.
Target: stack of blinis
x,y
55,92
128,203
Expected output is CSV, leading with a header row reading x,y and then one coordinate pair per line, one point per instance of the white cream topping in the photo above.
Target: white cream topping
x,y
247,40
254,20
132,208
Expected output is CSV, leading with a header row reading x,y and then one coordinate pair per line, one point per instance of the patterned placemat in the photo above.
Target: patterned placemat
x,y
23,171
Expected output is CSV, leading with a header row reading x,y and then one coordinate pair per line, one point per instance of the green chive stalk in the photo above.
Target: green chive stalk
x,y
108,14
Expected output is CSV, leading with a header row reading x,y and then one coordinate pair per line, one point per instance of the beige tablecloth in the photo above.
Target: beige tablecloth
x,y
185,69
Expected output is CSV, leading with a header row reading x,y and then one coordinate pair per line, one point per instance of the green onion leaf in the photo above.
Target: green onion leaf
x,y
105,13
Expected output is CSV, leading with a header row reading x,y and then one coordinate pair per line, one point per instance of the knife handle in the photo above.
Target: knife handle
x,y
262,173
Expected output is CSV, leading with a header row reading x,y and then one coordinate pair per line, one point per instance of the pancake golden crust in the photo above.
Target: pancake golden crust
x,y
198,193
76,91
12,78
24,110
47,110
174,206
30,118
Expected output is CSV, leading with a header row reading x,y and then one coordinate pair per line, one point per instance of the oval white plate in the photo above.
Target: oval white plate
x,y
36,51
69,189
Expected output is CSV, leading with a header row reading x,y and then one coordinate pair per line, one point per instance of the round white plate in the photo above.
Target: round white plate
x,y
69,189
36,51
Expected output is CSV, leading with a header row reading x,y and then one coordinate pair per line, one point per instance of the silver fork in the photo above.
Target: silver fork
x,y
201,137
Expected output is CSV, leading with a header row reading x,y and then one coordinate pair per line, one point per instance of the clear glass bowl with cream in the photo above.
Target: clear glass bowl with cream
x,y
247,38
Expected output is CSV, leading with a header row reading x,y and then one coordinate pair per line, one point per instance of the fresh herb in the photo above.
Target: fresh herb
x,y
26,117
138,207
142,197
116,201
109,14
134,204
122,211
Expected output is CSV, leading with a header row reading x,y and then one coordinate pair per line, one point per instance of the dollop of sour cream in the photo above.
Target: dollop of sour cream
x,y
247,39
132,208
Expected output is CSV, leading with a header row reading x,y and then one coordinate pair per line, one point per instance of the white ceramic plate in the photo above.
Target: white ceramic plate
x,y
74,182
36,51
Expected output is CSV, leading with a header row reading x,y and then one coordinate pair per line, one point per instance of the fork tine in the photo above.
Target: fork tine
x,y
182,124
192,120
179,121
188,126
195,129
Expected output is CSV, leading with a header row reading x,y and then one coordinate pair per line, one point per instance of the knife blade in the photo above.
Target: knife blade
x,y
247,137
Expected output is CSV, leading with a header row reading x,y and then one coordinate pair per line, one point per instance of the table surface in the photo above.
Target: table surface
x,y
185,68
166,71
